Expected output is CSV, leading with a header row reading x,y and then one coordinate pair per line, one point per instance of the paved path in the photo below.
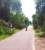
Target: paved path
x,y
23,40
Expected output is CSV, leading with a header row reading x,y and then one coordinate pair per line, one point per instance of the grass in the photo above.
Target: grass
x,y
4,36
39,33
16,30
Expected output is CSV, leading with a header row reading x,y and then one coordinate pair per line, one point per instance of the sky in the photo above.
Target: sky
x,y
28,8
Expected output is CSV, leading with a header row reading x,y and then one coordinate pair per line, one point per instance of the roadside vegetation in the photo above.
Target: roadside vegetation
x,y
6,31
12,18
39,24
39,18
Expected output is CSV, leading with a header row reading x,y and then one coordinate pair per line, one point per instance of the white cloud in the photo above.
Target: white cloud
x,y
28,7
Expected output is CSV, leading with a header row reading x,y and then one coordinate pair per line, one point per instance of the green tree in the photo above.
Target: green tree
x,y
20,21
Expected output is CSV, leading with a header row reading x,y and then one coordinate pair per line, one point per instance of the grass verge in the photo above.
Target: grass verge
x,y
4,36
39,33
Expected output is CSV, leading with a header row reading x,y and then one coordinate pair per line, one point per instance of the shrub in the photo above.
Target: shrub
x,y
40,34
6,31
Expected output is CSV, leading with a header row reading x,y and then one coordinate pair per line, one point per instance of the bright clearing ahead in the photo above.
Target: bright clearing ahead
x,y
28,8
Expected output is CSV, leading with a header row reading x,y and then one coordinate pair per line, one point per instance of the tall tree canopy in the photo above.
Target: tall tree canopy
x,y
9,6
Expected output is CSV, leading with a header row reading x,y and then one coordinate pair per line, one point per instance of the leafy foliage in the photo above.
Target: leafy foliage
x,y
20,21
11,17
39,17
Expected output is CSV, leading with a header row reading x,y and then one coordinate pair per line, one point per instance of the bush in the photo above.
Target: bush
x,y
40,34
6,31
